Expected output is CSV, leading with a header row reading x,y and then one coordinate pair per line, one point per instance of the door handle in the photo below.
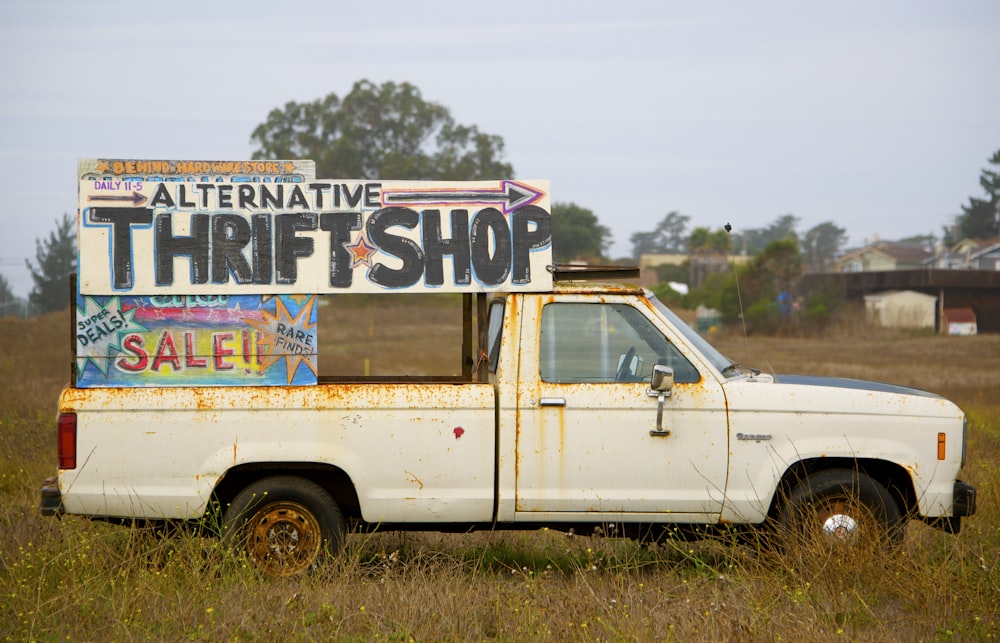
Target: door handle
x,y
659,431
552,401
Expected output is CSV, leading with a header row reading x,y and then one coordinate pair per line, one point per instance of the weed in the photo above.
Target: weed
x,y
78,579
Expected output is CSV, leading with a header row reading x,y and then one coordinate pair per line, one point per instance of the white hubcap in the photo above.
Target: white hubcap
x,y
840,526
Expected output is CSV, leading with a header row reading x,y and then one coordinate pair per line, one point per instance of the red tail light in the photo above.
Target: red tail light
x,y
67,440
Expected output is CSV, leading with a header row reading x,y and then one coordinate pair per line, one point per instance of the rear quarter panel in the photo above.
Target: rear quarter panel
x,y
415,452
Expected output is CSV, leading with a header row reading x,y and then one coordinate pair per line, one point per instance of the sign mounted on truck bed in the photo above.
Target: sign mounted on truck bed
x,y
190,237
204,273
196,340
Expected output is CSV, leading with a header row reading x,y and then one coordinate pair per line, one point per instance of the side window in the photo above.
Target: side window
x,y
605,343
493,334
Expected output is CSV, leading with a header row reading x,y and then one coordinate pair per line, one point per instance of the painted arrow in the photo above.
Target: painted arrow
x,y
509,196
136,198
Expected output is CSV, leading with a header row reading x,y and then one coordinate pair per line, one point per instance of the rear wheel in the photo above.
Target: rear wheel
x,y
841,508
284,525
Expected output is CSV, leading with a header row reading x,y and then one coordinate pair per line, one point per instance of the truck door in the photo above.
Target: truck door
x,y
585,415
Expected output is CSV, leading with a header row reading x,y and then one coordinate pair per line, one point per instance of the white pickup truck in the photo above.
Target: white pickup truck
x,y
595,405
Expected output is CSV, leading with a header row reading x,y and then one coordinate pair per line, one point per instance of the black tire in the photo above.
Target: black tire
x,y
838,507
285,525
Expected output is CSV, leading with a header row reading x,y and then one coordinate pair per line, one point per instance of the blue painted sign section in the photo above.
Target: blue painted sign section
x,y
195,340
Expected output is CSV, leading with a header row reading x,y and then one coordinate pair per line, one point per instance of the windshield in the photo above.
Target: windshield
x,y
714,357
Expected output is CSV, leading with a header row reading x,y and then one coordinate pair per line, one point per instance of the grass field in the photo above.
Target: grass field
x,y
72,579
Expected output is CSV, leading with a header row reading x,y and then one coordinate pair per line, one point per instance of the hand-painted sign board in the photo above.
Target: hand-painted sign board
x,y
204,273
314,236
140,171
195,340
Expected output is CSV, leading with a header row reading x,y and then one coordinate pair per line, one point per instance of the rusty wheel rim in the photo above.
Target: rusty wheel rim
x,y
283,538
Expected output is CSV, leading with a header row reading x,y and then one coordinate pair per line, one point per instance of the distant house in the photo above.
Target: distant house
x,y
969,254
884,255
901,309
960,321
700,266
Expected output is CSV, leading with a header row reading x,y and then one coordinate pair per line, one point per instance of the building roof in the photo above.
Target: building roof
x,y
890,294
905,254
960,315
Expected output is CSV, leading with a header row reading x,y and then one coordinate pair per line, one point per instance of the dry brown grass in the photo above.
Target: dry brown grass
x,y
73,579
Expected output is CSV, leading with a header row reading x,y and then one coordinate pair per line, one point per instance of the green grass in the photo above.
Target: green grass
x,y
79,580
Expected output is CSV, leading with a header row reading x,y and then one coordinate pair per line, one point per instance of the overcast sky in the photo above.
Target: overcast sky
x,y
877,116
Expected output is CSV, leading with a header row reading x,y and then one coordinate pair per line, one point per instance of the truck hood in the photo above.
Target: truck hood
x,y
843,382
833,396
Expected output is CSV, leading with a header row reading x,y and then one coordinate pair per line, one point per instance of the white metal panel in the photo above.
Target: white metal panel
x,y
775,425
595,454
415,452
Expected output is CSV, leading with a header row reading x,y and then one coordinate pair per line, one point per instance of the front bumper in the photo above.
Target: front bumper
x,y
963,503
51,501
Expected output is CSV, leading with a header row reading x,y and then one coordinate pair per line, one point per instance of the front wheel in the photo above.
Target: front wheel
x,y
284,524
841,508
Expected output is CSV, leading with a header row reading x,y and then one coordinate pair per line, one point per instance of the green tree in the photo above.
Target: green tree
x,y
754,240
705,241
667,238
762,292
55,261
709,250
821,245
980,219
577,234
10,305
381,131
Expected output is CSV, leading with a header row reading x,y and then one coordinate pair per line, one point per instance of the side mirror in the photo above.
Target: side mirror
x,y
662,380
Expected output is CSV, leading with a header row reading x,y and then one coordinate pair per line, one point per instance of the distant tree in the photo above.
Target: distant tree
x,y
821,245
381,131
990,179
55,260
705,241
577,234
10,305
769,286
754,240
709,251
674,272
6,292
980,219
783,228
667,238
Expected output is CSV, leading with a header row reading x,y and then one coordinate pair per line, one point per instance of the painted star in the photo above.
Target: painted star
x,y
268,343
362,252
108,324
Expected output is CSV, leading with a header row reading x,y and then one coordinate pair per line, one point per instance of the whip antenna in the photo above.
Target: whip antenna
x,y
736,275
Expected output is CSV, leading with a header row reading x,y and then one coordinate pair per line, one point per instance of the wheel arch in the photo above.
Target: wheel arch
x,y
332,479
894,477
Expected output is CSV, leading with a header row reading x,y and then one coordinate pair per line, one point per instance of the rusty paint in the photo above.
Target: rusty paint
x,y
347,396
411,477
